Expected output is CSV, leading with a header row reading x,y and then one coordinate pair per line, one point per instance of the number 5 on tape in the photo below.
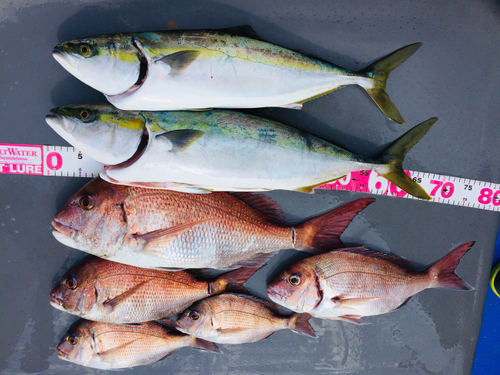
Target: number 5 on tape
x,y
46,161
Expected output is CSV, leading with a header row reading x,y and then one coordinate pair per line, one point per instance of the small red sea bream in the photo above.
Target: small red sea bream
x,y
238,318
101,290
163,229
350,283
113,346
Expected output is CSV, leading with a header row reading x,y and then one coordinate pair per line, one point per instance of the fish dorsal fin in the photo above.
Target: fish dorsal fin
x,y
181,139
274,308
161,237
179,61
244,30
406,264
111,304
263,204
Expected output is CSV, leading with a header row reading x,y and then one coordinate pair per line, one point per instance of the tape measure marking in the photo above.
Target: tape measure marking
x,y
68,162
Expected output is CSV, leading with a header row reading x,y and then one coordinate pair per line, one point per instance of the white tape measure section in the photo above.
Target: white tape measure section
x,y
68,162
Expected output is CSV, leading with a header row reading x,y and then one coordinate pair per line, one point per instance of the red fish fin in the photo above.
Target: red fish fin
x,y
353,303
257,261
388,257
112,303
299,322
112,354
442,275
263,204
356,319
161,237
205,345
166,322
231,281
322,233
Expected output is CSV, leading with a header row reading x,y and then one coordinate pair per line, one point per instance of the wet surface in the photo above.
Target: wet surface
x,y
454,76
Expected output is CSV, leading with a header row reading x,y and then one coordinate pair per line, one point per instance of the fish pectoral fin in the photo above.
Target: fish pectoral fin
x,y
356,319
257,261
179,61
353,303
161,237
110,305
181,139
113,354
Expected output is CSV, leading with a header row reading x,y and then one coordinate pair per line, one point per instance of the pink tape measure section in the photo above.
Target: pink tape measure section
x,y
47,161
69,162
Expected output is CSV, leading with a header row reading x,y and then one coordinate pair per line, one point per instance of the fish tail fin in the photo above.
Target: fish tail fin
x,y
300,323
392,159
321,233
232,281
379,72
205,345
442,275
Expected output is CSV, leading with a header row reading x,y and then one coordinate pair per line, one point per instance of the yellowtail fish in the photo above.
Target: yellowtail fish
x,y
350,283
238,318
194,69
204,151
165,229
101,290
112,346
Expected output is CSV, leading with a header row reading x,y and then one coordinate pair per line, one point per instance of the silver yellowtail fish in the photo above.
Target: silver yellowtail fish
x,y
160,229
193,69
113,346
199,152
348,284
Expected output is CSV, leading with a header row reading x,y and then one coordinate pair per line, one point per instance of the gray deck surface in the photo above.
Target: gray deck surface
x,y
454,76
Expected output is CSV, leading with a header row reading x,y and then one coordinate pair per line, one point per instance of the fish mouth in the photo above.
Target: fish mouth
x,y
61,354
64,234
61,229
56,302
274,294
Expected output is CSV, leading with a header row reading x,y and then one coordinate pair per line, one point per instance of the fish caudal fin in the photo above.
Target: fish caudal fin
x,y
393,159
232,281
205,345
322,233
300,323
379,72
442,274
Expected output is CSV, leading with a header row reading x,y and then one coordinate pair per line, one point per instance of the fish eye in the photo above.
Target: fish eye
x,y
294,279
71,283
87,202
72,339
85,50
194,315
84,114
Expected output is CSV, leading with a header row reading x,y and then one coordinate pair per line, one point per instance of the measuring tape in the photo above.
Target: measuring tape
x,y
68,162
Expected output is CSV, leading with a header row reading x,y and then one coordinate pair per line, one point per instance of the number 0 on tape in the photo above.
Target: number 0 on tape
x,y
68,162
